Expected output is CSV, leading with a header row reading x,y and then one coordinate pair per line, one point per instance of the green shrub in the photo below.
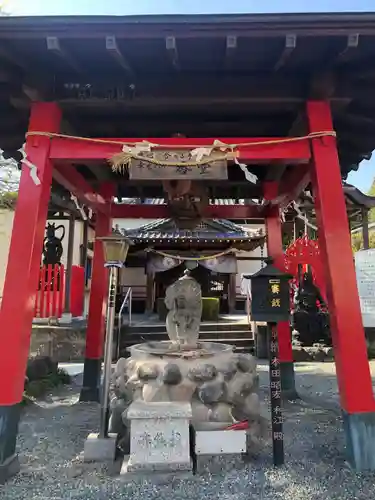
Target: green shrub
x,y
38,388
210,308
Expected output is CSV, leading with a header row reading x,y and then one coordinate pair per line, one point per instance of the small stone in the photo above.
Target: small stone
x,y
211,392
319,355
329,353
120,368
172,374
202,373
183,391
256,383
220,412
251,405
200,412
316,353
300,354
124,440
228,370
40,367
246,363
154,392
121,386
240,386
118,407
148,371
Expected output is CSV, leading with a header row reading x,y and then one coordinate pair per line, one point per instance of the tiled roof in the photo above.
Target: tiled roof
x,y
208,230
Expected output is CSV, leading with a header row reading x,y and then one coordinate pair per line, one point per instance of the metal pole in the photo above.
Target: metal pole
x,y
108,348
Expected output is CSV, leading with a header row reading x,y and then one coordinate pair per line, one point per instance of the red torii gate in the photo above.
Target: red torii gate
x,y
316,159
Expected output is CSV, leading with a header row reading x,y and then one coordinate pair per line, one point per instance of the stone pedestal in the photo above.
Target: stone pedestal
x,y
159,437
100,449
360,440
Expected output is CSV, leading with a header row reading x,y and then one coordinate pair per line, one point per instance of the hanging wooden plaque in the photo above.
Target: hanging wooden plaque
x,y
145,170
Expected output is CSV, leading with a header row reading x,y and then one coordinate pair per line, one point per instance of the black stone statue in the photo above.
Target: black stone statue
x,y
310,318
52,247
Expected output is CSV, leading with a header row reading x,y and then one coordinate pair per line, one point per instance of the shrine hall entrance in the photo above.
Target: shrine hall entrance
x,y
213,284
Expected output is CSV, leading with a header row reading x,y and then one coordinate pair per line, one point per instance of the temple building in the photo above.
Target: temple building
x,y
158,256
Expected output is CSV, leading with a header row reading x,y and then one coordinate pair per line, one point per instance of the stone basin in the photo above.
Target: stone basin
x,y
167,348
218,384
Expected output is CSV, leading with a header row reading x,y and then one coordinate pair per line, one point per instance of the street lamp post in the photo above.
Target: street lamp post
x,y
115,252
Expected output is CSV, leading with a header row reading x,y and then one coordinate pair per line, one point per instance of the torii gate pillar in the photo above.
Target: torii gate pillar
x,y
352,367
17,307
97,309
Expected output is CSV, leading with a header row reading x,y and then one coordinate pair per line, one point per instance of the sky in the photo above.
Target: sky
x,y
362,178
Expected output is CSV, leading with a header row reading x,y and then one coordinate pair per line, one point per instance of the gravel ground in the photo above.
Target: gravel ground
x,y
52,435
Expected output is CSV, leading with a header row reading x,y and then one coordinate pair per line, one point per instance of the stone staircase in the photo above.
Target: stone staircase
x,y
235,333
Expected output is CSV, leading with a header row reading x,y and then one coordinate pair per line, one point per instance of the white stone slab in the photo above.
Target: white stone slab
x,y
220,442
159,437
365,271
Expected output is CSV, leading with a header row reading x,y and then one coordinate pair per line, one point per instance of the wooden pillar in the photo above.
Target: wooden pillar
x,y
96,316
352,368
232,293
17,307
365,232
275,250
85,238
69,263
149,309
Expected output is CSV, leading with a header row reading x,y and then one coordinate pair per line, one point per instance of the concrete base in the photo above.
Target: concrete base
x,y
66,319
360,439
100,449
9,468
156,476
161,467
288,383
9,419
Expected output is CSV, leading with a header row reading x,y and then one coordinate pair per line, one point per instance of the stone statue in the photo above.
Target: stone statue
x,y
310,318
183,299
220,385
52,247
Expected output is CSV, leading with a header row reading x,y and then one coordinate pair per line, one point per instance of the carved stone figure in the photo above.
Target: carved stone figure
x,y
52,248
220,385
184,301
310,318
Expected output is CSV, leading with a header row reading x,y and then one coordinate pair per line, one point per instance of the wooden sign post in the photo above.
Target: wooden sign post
x,y
275,396
271,303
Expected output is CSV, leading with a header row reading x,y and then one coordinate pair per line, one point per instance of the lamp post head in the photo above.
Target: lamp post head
x,y
115,248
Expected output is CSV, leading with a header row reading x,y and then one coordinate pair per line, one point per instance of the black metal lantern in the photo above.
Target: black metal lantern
x,y
270,298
